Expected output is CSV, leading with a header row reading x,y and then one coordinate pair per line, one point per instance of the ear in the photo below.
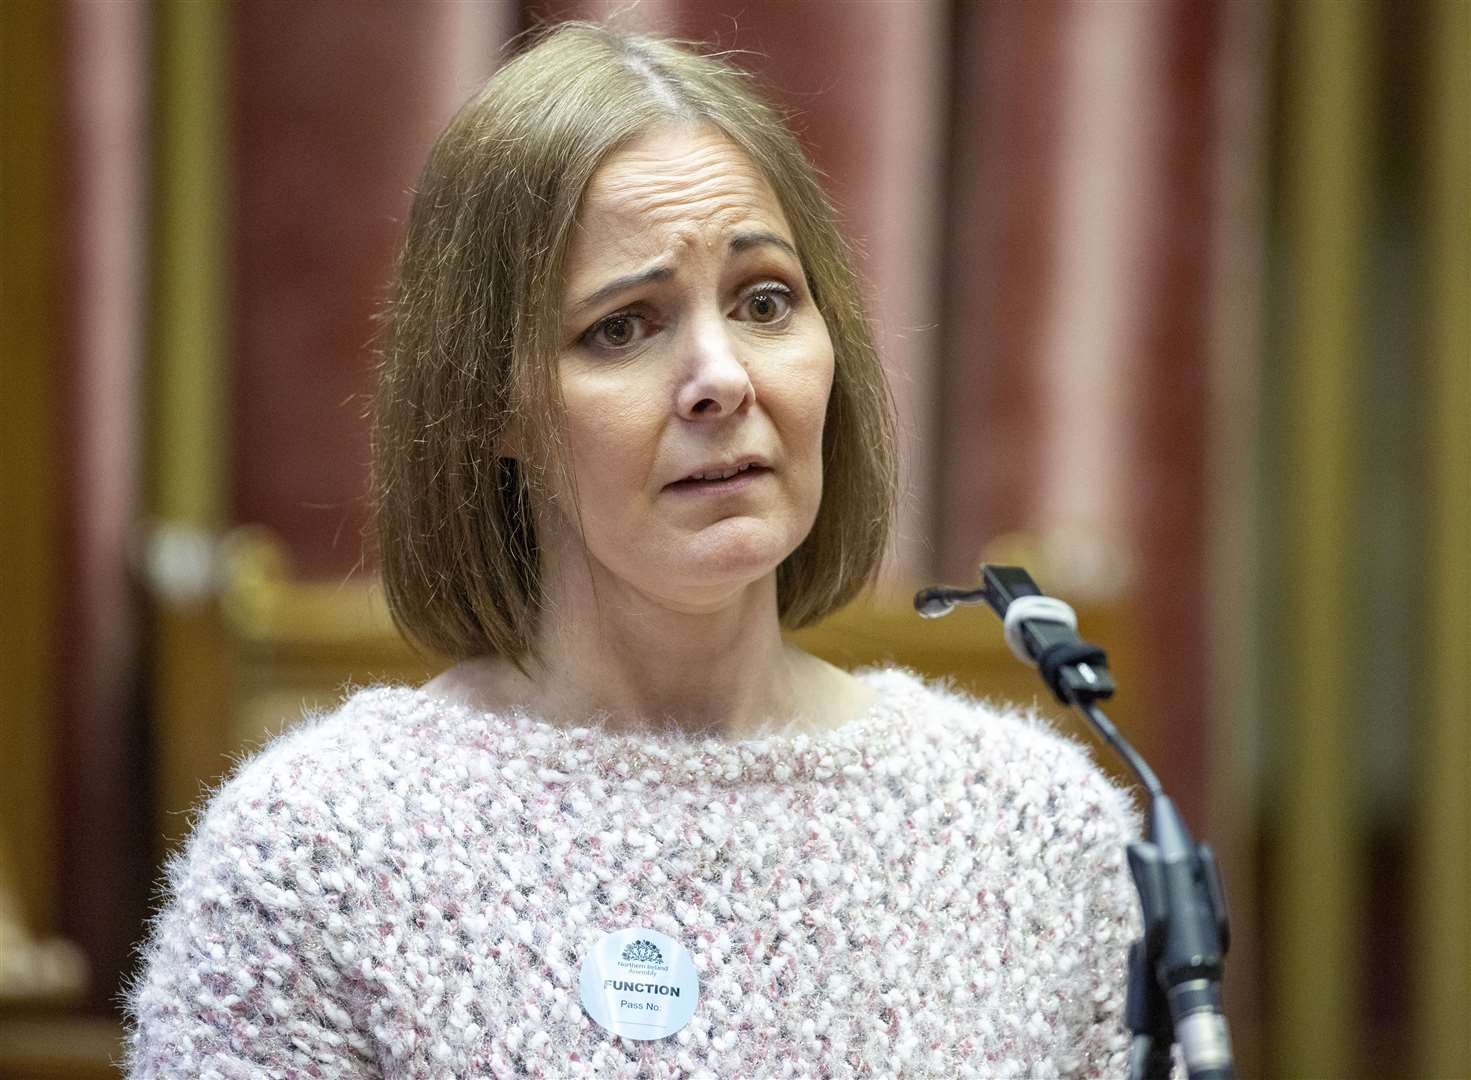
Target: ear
x,y
509,443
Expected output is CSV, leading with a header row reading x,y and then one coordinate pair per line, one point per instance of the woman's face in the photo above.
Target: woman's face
x,y
695,372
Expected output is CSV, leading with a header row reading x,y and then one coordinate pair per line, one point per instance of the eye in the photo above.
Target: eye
x,y
768,303
620,330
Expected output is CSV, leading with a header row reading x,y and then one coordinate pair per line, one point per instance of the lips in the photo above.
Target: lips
x,y
720,474
717,473
714,481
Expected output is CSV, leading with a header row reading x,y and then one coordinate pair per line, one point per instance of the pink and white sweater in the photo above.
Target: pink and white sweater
x,y
406,888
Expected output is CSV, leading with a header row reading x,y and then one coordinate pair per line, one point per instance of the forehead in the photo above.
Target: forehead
x,y
669,188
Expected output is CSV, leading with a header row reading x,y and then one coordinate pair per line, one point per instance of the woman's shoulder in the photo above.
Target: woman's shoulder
x,y
326,759
258,897
362,719
1013,752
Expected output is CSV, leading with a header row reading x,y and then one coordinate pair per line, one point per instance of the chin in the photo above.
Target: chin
x,y
728,555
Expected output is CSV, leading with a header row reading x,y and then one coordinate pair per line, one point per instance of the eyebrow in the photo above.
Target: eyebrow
x,y
745,241
738,243
618,285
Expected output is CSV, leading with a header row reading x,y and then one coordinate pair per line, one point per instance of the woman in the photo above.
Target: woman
x,y
631,423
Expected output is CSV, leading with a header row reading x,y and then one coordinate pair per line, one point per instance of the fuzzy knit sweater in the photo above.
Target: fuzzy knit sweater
x,y
407,888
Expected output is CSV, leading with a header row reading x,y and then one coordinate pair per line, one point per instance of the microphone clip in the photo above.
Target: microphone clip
x,y
1041,630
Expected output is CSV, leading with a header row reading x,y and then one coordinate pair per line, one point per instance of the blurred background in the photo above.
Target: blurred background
x,y
1176,300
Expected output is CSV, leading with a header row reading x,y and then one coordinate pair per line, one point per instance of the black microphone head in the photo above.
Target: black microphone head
x,y
934,602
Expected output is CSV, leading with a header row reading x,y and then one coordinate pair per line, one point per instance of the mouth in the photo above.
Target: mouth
x,y
731,477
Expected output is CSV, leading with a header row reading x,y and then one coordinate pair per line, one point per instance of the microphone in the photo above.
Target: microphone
x,y
940,600
1041,630
1175,970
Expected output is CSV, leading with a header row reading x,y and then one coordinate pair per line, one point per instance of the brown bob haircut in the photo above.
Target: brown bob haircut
x,y
473,332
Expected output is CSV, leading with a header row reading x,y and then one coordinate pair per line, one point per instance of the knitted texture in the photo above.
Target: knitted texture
x,y
408,888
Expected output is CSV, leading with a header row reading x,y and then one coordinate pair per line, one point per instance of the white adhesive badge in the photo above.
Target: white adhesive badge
x,y
640,984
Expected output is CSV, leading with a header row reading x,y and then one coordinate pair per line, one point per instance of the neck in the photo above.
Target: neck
x,y
721,668
715,664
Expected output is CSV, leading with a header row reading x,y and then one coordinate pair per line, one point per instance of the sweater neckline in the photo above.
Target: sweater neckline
x,y
663,755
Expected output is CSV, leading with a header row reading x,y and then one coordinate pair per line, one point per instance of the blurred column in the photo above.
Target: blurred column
x,y
334,109
1444,827
1112,211
1120,494
30,443
1162,429
188,406
1327,128
1233,499
1077,373
1006,119
104,801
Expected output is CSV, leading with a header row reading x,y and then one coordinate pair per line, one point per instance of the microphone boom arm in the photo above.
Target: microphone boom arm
x,y
1176,968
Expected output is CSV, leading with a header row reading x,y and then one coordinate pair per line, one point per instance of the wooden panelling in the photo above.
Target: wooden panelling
x,y
30,502
1320,856
292,644
1444,916
54,1046
186,470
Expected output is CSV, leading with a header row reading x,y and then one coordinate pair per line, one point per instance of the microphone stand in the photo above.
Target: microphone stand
x,y
1176,967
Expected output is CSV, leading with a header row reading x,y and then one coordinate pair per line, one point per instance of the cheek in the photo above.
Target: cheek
x,y
807,399
613,432
821,372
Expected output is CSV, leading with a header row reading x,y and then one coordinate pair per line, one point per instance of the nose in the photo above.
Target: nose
x,y
716,383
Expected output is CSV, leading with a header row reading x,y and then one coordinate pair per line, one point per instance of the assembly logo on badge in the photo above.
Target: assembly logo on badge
x,y
644,952
640,984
